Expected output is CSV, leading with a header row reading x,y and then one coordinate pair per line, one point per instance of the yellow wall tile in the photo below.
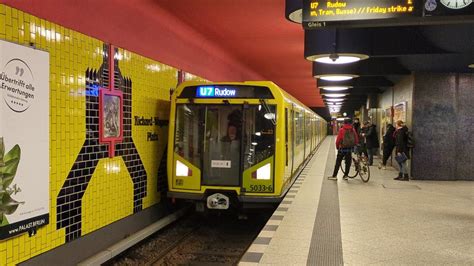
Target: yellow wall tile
x,y
110,191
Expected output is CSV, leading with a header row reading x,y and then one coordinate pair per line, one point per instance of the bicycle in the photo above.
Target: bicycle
x,y
360,165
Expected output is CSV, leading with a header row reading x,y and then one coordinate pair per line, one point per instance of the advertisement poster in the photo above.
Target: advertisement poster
x,y
24,139
400,112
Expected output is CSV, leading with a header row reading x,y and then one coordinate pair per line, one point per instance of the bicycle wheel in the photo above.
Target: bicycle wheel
x,y
364,171
352,170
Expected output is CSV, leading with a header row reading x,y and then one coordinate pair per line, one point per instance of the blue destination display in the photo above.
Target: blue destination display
x,y
215,92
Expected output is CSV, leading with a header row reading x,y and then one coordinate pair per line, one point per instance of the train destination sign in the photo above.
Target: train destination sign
x,y
218,92
224,91
318,13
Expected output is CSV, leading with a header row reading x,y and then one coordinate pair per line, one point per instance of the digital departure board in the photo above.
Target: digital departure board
x,y
318,13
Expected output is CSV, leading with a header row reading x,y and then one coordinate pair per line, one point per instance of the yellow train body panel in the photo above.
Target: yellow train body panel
x,y
246,140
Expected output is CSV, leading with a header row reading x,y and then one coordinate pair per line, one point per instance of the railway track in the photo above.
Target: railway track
x,y
196,239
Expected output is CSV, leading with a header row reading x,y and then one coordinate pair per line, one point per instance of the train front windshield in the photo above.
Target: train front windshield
x,y
224,140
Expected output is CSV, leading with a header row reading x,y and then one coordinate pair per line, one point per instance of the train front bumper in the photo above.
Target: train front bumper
x,y
241,198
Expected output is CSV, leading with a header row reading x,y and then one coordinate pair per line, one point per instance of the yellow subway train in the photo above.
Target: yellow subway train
x,y
237,144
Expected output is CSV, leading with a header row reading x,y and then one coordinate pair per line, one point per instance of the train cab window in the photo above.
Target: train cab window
x,y
259,129
188,133
222,145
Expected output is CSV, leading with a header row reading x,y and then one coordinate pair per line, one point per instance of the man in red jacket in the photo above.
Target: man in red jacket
x,y
346,140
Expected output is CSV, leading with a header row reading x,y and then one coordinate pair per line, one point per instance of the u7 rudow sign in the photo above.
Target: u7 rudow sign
x,y
373,13
317,13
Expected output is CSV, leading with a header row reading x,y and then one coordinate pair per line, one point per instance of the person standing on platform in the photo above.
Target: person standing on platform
x,y
362,147
402,150
372,142
356,125
388,144
346,140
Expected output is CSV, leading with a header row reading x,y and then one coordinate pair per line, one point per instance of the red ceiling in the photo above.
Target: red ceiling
x,y
217,39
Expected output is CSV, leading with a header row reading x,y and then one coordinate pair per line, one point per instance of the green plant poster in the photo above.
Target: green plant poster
x,y
24,139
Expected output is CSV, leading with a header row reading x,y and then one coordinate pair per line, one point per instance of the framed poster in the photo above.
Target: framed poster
x,y
400,112
24,139
110,116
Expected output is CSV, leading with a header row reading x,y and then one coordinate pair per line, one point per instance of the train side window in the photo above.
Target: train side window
x,y
188,132
259,126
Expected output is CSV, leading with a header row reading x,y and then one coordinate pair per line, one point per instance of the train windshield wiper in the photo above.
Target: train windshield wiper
x,y
268,115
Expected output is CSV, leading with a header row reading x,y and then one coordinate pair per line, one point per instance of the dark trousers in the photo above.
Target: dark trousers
x,y
343,154
387,152
371,152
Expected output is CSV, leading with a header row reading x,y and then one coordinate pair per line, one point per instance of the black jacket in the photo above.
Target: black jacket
x,y
401,140
388,139
371,138
356,126
362,139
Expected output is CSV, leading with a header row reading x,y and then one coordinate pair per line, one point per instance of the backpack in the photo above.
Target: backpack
x,y
348,140
410,140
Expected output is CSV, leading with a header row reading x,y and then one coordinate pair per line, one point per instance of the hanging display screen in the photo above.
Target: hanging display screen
x,y
317,12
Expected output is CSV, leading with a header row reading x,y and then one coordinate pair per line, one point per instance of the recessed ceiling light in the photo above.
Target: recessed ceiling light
x,y
296,16
335,100
471,66
334,88
337,59
336,77
335,95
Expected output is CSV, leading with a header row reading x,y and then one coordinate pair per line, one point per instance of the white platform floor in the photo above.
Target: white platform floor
x,y
382,222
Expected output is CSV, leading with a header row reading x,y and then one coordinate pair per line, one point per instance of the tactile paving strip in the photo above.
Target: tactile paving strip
x,y
255,253
326,242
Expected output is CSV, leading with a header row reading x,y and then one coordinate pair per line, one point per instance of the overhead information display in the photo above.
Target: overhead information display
x,y
375,13
317,13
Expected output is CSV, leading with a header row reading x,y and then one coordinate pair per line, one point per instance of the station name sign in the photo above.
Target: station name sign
x,y
318,13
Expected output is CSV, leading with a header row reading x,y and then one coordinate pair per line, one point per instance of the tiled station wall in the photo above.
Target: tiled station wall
x,y
443,126
439,114
89,190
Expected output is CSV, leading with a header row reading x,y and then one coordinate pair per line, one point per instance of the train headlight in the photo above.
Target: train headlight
x,y
263,173
182,169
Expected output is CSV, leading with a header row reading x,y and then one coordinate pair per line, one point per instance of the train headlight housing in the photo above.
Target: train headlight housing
x,y
182,169
263,173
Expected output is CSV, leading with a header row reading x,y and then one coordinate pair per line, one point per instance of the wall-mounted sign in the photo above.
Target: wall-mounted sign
x,y
317,12
24,139
400,112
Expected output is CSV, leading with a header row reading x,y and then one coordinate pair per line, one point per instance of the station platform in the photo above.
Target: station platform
x,y
385,222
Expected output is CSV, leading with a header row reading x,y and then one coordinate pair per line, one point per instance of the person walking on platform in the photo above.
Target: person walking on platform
x,y
388,144
402,150
371,142
346,140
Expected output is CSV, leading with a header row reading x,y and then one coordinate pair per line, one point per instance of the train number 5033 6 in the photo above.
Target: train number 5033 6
x,y
261,188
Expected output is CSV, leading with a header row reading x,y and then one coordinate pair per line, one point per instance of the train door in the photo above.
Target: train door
x,y
289,142
292,134
222,145
305,134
